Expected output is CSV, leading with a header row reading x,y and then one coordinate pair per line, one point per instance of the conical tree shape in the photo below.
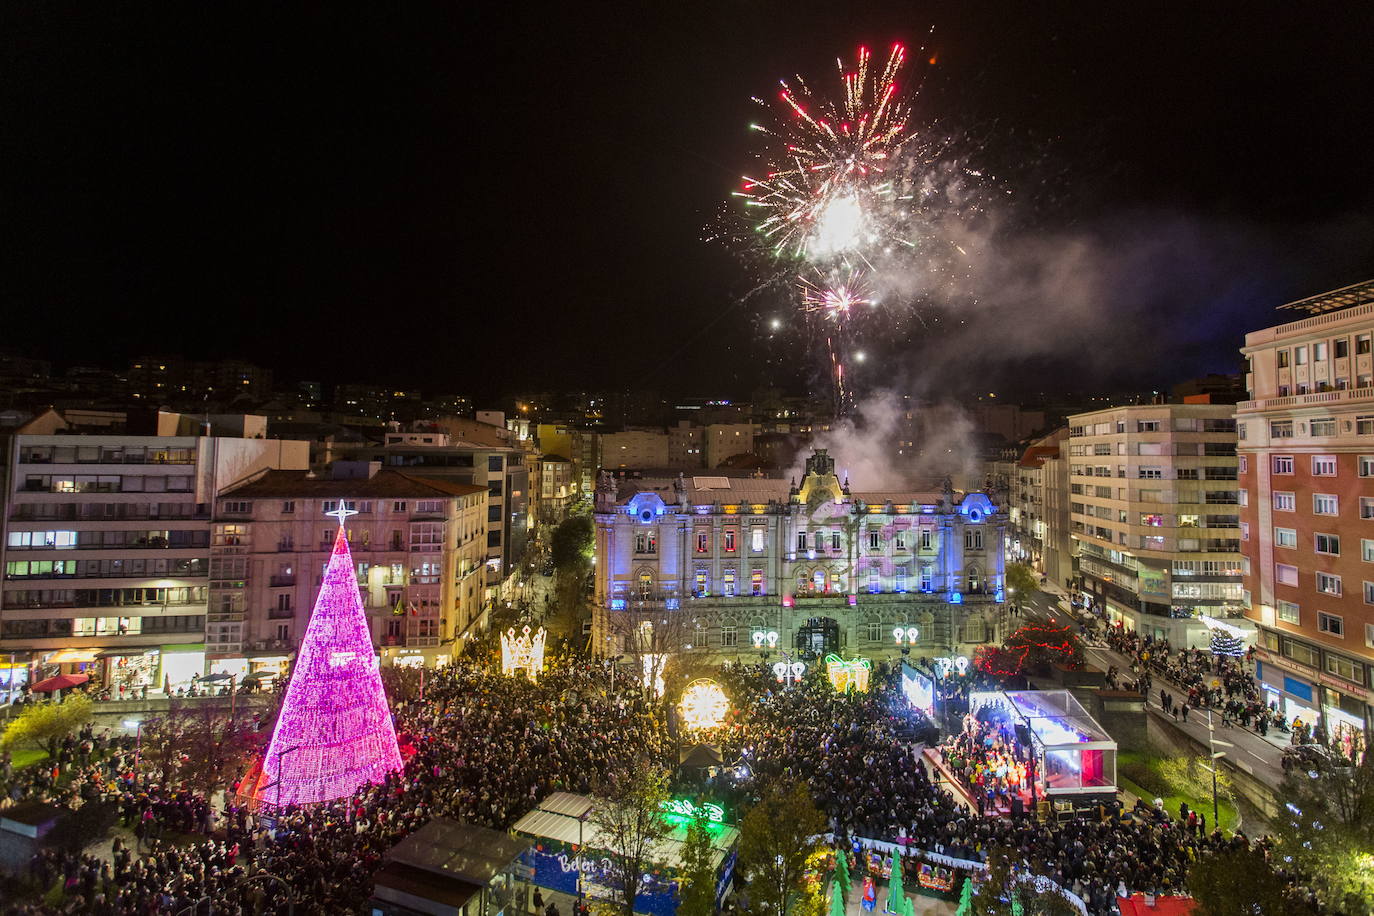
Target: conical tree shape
x,y
896,895
334,733
836,899
842,870
965,899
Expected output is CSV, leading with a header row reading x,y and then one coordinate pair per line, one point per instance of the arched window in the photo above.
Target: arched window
x,y
975,580
644,583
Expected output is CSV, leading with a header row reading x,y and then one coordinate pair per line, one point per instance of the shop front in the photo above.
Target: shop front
x,y
124,671
14,674
180,663
1288,686
1345,708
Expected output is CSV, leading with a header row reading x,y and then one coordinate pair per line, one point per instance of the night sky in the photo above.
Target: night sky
x,y
489,197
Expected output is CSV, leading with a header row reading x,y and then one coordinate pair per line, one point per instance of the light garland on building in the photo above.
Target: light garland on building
x,y
704,704
848,674
523,653
334,732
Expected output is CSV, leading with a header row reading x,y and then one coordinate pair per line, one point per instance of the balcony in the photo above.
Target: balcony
x,y
281,613
282,581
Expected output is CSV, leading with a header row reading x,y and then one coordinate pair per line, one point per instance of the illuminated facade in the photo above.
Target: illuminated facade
x,y
721,564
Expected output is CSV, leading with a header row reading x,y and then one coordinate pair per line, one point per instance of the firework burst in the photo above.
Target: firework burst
x,y
831,161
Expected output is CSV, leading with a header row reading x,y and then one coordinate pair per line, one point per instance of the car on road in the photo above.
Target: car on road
x,y
1304,755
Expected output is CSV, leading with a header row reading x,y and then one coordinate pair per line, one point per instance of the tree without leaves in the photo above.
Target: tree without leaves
x,y
630,824
198,742
777,836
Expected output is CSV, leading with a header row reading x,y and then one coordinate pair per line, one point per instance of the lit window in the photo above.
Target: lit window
x,y
756,540
1289,612
1328,584
1285,574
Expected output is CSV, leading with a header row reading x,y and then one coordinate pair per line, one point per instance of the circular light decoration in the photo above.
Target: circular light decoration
x,y
704,704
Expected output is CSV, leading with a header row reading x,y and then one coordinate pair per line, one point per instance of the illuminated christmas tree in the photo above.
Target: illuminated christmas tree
x,y
334,732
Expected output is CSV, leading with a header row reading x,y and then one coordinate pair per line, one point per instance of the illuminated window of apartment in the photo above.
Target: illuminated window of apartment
x,y
1156,521
1289,612
756,539
1328,584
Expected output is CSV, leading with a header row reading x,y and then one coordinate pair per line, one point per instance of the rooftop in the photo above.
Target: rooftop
x,y
384,484
1345,297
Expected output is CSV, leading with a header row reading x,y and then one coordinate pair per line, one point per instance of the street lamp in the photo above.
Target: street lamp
x,y
137,725
1212,742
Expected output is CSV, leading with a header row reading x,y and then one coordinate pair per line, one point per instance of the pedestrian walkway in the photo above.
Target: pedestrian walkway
x,y
923,905
1258,755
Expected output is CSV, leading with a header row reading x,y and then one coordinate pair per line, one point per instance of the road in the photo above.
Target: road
x,y
1257,755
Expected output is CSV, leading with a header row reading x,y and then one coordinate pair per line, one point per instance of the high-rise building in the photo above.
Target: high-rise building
x,y
1306,445
1036,480
1154,514
731,566
107,550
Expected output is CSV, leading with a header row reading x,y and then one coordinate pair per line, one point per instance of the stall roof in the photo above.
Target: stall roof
x,y
547,821
448,847
1056,717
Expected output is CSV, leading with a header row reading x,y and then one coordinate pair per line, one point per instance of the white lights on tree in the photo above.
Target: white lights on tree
x,y
523,653
767,638
704,704
653,673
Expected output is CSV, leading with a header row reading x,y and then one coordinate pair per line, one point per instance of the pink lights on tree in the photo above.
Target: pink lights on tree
x,y
334,733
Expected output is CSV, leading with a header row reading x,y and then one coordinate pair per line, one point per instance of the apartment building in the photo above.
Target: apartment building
x,y
502,470
1306,446
1154,516
557,487
1037,485
635,448
419,544
107,551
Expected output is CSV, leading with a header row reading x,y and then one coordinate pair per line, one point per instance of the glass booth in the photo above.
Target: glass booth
x,y
1074,755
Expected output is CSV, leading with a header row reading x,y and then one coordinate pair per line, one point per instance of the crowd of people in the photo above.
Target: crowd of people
x,y
986,758
487,748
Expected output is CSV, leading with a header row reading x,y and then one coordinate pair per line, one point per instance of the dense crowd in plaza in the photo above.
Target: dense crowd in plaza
x,y
488,747
870,784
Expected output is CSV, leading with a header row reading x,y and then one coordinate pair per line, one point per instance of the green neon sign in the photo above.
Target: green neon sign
x,y
681,807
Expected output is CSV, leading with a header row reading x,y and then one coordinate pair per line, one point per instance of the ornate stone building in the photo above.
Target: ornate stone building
x,y
729,567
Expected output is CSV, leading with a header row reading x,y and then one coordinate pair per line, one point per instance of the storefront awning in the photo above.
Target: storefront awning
x,y
71,656
183,647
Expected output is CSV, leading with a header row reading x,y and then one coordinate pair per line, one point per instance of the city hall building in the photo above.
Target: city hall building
x,y
734,567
